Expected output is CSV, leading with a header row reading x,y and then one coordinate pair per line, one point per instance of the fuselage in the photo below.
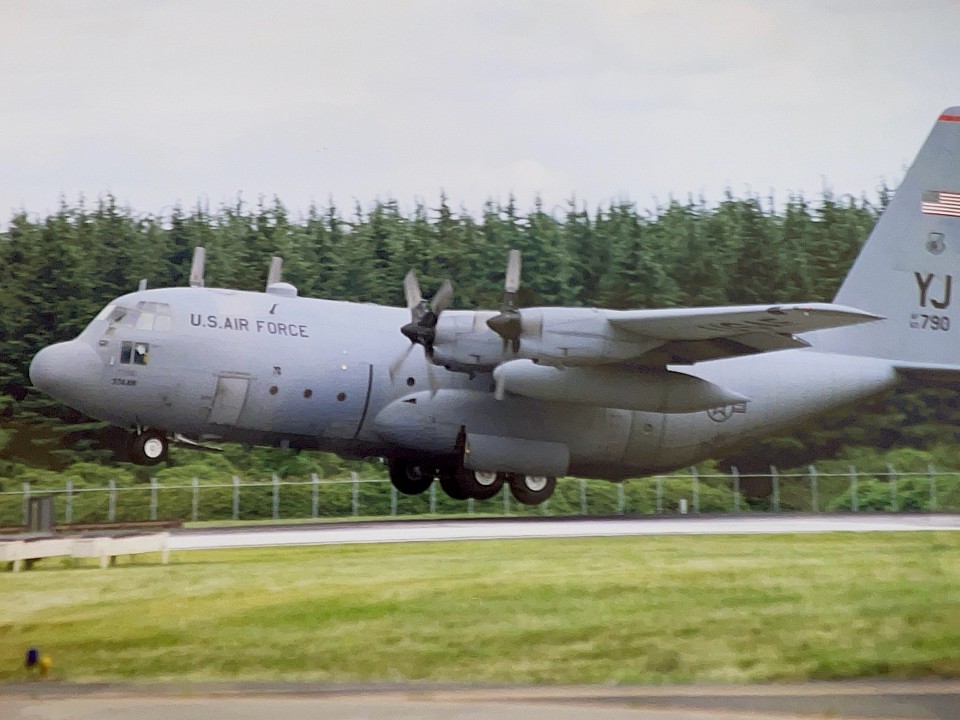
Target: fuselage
x,y
271,369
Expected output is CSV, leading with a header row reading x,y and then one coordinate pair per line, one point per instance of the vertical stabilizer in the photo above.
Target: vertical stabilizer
x,y
909,269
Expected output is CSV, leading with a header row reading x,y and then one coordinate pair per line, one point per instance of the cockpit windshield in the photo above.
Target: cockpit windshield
x,y
145,316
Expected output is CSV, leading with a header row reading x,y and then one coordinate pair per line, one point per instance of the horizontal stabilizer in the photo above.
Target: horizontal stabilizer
x,y
929,373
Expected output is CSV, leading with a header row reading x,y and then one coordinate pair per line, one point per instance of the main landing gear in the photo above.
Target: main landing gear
x,y
411,478
148,447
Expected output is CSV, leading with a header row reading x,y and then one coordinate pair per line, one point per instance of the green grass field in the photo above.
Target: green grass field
x,y
621,610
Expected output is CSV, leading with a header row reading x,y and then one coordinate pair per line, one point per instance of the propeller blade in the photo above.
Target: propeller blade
x,y
441,300
431,377
398,363
411,290
509,323
512,283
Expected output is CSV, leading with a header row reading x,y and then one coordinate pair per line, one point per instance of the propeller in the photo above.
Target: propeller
x,y
422,328
509,323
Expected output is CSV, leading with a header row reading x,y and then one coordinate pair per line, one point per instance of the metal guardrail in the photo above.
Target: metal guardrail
x,y
691,492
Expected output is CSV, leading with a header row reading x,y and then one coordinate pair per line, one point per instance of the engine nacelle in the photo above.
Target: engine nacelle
x,y
550,336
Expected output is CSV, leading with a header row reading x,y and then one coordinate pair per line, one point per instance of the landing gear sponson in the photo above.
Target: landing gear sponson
x,y
412,478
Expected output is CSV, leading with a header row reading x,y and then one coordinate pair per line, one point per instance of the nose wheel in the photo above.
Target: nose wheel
x,y
149,447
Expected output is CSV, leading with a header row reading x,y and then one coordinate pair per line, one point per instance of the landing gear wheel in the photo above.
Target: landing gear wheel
x,y
450,482
478,484
410,478
148,448
532,489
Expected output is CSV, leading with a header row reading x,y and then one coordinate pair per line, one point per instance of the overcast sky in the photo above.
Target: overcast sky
x,y
165,103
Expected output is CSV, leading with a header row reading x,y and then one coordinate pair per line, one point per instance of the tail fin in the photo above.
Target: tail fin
x,y
909,269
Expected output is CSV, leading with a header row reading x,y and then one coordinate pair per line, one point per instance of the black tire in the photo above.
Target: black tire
x,y
450,482
532,489
480,485
410,478
149,448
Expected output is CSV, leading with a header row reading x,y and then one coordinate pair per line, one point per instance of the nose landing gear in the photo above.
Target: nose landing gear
x,y
148,447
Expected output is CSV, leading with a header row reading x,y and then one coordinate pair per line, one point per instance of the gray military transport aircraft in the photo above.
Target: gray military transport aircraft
x,y
521,395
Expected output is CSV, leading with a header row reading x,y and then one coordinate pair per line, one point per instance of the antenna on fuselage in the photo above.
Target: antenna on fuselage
x,y
142,285
196,267
275,283
275,274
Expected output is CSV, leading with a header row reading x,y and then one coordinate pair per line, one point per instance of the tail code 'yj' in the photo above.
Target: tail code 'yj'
x,y
909,268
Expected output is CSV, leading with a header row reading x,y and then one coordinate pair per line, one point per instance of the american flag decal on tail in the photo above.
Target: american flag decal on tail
x,y
940,202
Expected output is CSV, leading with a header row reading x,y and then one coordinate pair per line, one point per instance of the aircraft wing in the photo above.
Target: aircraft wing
x,y
690,335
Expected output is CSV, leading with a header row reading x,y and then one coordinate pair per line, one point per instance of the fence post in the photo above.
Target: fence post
x,y
195,511
393,499
314,495
695,476
355,494
621,499
933,487
736,488
854,500
470,506
153,498
814,498
659,480
506,498
892,475
433,498
775,476
112,508
583,496
236,498
68,513
26,504
275,506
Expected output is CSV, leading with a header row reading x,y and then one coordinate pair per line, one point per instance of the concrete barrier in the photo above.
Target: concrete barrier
x,y
105,548
108,548
18,551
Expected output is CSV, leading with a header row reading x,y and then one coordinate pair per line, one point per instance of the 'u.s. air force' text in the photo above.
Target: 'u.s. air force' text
x,y
267,327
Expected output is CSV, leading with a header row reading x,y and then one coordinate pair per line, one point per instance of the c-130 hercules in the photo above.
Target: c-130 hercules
x,y
521,395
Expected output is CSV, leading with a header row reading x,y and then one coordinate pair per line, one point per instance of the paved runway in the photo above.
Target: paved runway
x,y
440,530
299,701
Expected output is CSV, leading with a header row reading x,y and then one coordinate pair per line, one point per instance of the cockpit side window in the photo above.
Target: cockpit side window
x,y
136,353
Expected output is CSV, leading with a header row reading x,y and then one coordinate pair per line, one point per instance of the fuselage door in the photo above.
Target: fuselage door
x,y
229,398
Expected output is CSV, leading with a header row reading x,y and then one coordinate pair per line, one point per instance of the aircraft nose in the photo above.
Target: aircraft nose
x,y
63,369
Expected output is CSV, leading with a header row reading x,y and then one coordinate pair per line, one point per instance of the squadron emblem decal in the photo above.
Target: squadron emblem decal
x,y
935,243
724,413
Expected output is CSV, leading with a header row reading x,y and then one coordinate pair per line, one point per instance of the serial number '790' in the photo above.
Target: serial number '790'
x,y
922,321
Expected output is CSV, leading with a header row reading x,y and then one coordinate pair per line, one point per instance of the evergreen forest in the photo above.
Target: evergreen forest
x,y
58,271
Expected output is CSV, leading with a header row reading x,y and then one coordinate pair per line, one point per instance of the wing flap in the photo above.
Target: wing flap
x,y
716,322
691,335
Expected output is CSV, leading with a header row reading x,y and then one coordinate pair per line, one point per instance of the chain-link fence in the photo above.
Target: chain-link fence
x,y
690,492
